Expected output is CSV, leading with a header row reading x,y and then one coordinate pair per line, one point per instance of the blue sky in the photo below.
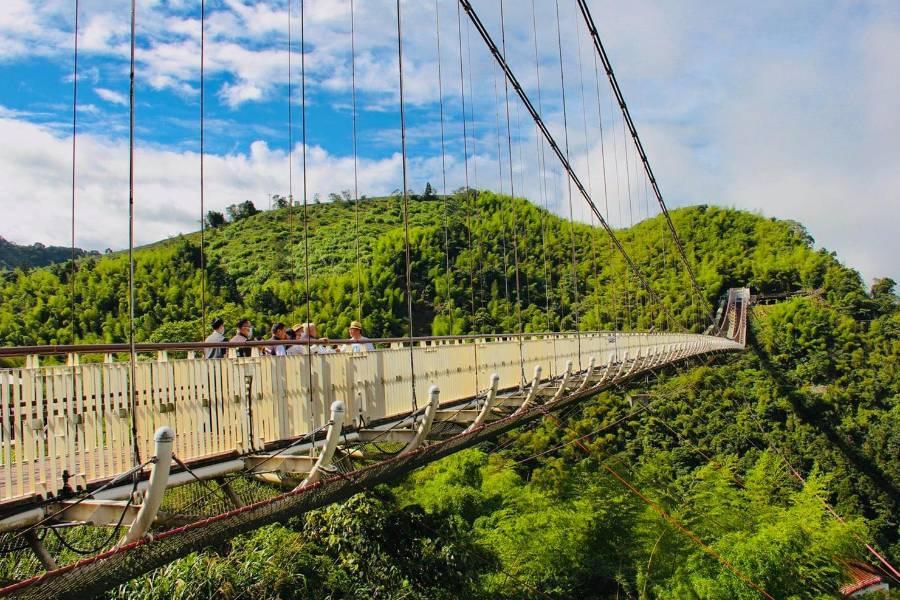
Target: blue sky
x,y
788,109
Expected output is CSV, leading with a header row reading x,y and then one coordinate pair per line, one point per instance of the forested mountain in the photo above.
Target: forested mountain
x,y
719,448
256,267
16,256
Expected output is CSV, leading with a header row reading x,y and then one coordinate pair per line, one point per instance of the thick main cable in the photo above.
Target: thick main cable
x,y
601,51
476,21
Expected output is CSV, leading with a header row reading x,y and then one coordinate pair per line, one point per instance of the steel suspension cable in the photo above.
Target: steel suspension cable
x,y
202,157
670,519
631,303
492,46
542,187
132,355
613,313
894,573
74,139
468,191
562,79
446,215
500,185
512,193
601,51
355,158
479,249
303,131
290,102
409,301
590,177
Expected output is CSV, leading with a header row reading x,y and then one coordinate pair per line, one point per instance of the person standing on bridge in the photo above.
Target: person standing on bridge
x,y
243,335
306,332
217,336
278,334
360,343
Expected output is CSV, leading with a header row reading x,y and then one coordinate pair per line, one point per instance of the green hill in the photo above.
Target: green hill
x,y
818,389
256,267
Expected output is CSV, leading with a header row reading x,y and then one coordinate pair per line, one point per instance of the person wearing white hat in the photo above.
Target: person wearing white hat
x,y
360,343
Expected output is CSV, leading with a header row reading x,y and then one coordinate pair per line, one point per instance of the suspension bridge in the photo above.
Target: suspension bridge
x,y
170,452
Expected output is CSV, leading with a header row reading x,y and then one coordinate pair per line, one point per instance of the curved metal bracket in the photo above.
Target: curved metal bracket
x,y
488,404
562,385
159,478
535,384
425,425
332,437
587,376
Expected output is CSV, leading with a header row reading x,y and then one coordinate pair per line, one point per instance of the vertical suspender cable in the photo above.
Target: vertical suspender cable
x,y
437,27
309,356
512,193
290,102
632,302
74,137
624,295
590,177
542,158
500,180
132,401
479,248
468,192
562,79
409,302
202,156
613,310
355,159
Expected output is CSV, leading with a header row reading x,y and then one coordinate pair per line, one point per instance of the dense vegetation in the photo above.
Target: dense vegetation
x,y
16,256
536,515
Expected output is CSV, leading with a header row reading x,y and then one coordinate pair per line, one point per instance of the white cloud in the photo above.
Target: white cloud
x,y
788,108
111,96
38,171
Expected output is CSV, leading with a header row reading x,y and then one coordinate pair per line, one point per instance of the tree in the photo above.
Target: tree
x,y
884,295
279,202
214,219
429,192
245,209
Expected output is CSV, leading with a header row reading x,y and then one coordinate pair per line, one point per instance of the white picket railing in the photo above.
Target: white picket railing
x,y
74,423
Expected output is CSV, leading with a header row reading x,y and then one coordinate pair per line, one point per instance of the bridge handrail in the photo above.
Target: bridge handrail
x,y
145,347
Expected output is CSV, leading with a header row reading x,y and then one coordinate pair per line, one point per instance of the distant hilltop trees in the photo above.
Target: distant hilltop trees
x,y
15,256
242,210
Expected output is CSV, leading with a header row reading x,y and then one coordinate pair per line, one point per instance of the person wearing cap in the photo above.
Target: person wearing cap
x,y
217,336
360,343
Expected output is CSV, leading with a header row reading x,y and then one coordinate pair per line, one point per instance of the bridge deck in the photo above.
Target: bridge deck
x,y
75,421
